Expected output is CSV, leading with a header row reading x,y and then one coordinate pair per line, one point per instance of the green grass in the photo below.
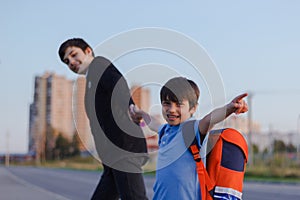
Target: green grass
x,y
272,179
78,163
258,172
273,173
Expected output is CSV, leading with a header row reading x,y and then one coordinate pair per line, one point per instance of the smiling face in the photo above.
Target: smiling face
x,y
179,98
177,112
78,60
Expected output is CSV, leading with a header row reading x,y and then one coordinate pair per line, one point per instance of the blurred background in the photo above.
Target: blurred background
x,y
254,46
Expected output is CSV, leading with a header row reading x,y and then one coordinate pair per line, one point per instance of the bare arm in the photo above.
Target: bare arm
x,y
237,106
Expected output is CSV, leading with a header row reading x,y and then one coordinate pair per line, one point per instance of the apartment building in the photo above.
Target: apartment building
x,y
80,117
50,112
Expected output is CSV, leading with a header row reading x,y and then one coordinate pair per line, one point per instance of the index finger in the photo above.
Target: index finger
x,y
241,96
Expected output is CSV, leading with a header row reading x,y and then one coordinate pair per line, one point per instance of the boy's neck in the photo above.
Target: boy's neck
x,y
85,72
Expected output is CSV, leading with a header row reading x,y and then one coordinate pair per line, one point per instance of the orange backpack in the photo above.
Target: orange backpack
x,y
226,158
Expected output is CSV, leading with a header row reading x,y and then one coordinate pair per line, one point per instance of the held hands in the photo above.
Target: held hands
x,y
135,113
238,104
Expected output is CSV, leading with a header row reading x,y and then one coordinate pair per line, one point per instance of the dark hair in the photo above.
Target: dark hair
x,y
179,89
74,42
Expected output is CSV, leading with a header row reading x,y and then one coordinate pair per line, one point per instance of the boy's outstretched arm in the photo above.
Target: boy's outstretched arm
x,y
237,106
137,115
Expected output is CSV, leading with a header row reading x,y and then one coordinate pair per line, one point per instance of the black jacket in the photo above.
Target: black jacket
x,y
107,100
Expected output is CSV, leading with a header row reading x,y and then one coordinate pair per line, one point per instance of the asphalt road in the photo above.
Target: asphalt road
x,y
45,184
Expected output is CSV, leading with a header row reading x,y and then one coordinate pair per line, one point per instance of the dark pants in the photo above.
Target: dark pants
x,y
116,184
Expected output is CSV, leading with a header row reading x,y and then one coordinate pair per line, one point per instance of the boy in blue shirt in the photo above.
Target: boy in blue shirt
x,y
176,176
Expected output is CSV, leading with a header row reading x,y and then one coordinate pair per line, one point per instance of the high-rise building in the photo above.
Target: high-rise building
x,y
32,114
141,97
80,117
50,112
59,105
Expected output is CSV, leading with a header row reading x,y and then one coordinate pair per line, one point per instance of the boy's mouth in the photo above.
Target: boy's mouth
x,y
172,117
76,69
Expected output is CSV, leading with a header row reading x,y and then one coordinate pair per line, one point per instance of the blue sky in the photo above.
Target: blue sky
x,y
255,46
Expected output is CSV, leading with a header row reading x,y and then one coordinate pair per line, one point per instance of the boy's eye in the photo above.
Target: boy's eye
x,y
165,103
180,104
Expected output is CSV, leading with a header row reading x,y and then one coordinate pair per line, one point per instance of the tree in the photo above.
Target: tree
x,y
62,146
279,146
50,142
255,149
74,146
65,148
291,148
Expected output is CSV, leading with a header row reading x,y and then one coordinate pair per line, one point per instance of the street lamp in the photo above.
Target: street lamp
x,y
298,125
297,134
7,150
250,160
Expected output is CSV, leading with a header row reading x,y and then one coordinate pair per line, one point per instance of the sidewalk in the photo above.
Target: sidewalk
x,y
14,188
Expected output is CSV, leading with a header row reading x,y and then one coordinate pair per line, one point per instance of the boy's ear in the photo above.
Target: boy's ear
x,y
88,50
194,108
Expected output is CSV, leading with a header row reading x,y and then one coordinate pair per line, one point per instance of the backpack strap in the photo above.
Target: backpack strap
x,y
191,143
162,132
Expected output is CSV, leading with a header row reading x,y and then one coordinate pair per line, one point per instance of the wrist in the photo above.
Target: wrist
x,y
229,109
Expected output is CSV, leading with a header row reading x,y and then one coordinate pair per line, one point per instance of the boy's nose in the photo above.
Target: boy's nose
x,y
71,63
172,108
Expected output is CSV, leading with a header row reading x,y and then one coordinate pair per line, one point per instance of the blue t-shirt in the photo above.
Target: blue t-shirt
x,y
176,175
